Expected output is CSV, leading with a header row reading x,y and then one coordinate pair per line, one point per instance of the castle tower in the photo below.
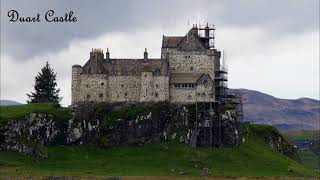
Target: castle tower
x,y
75,83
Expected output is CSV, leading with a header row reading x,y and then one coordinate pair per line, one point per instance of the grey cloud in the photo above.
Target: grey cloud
x,y
287,15
23,40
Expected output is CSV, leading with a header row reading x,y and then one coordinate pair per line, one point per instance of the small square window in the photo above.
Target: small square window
x,y
100,95
102,84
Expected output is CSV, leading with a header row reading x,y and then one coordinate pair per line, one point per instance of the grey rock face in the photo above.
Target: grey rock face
x,y
27,134
88,126
229,126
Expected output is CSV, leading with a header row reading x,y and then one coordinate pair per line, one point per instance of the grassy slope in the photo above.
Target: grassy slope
x,y
252,158
19,111
308,157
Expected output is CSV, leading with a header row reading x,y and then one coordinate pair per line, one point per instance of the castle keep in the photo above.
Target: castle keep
x,y
187,72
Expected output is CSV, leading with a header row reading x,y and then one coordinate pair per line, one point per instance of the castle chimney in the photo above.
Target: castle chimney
x,y
107,55
145,57
91,53
207,31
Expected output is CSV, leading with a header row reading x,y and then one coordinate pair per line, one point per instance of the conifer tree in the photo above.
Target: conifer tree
x,y
45,87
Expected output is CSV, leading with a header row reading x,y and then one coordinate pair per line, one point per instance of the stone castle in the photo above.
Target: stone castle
x,y
185,73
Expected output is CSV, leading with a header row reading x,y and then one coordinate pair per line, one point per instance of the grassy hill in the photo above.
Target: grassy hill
x,y
19,111
254,157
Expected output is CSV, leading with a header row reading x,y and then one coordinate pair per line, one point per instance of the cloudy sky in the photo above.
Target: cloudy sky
x,y
270,45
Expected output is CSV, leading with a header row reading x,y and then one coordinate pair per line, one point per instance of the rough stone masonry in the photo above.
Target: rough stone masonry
x,y
184,74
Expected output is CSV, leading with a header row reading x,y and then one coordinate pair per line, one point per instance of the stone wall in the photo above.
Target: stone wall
x,y
189,61
200,93
124,88
103,88
94,88
75,83
154,88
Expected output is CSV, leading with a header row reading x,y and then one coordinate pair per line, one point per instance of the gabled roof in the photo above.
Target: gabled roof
x,y
191,41
171,41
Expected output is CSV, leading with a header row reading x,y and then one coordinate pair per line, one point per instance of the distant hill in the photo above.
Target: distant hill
x,y
8,103
285,114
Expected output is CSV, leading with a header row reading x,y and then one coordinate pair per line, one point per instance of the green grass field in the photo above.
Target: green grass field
x,y
252,158
308,157
255,157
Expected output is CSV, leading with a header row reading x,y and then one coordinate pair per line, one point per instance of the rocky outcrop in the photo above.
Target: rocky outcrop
x,y
230,127
30,134
108,125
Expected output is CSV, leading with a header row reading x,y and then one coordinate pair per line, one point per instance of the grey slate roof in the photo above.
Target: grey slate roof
x,y
184,77
125,67
171,41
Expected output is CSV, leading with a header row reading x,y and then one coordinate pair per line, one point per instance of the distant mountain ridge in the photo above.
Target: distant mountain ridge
x,y
8,103
285,114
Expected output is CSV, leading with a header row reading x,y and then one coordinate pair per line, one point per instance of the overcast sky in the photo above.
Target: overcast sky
x,y
271,46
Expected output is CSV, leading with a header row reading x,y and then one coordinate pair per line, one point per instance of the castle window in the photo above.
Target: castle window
x,y
102,84
191,68
125,94
157,72
122,85
101,95
189,97
156,94
88,96
157,85
184,86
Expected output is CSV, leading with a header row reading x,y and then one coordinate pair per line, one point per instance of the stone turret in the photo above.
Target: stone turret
x,y
75,83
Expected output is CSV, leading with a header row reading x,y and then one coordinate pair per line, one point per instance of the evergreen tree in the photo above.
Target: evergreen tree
x,y
45,87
